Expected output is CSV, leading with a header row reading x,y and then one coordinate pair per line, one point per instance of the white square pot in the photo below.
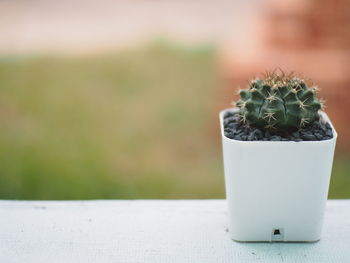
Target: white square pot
x,y
276,190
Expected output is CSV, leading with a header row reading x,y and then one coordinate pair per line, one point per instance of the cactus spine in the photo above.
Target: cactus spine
x,y
279,101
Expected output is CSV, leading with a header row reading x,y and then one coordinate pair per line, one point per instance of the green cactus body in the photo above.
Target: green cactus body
x,y
278,102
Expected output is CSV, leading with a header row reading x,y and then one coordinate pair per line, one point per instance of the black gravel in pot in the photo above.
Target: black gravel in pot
x,y
234,129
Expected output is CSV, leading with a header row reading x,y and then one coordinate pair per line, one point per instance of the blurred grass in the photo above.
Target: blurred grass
x,y
134,124
340,180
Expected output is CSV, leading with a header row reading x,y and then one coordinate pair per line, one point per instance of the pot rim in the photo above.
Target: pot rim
x,y
323,115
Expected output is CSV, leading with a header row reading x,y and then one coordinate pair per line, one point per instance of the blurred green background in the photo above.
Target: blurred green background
x,y
140,123
134,124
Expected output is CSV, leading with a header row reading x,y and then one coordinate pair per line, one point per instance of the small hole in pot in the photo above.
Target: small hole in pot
x,y
276,232
277,235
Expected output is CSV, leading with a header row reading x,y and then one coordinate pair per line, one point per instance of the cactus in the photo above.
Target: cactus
x,y
280,102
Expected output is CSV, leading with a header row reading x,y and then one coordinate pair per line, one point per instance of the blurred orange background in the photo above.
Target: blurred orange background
x,y
309,37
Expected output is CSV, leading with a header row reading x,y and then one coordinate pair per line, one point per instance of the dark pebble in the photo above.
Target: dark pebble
x,y
239,131
267,134
296,135
322,132
228,114
229,120
238,137
319,136
304,132
231,135
275,138
329,133
232,125
323,127
309,137
259,134
251,137
316,125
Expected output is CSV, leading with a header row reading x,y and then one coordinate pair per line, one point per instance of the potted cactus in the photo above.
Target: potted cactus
x,y
278,148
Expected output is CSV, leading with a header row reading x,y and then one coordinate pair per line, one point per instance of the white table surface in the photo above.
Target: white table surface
x,y
151,231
